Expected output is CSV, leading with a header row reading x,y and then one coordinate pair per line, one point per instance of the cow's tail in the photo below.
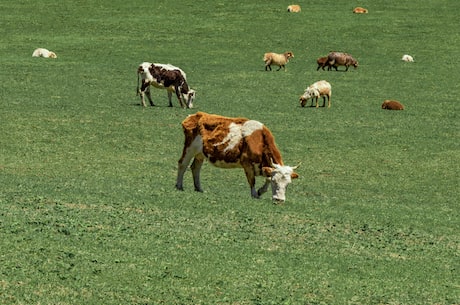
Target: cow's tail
x,y
138,90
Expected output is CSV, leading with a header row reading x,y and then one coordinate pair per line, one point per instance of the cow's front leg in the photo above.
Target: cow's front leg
x,y
178,94
250,175
196,167
147,92
264,187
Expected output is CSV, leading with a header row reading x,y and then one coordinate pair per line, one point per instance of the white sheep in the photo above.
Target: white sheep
x,y
316,90
277,59
41,52
293,8
407,58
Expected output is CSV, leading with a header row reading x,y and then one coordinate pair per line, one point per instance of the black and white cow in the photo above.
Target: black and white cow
x,y
164,76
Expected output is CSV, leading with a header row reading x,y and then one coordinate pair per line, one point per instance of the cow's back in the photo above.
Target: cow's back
x,y
231,141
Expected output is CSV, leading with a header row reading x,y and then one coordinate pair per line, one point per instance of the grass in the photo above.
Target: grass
x,y
88,209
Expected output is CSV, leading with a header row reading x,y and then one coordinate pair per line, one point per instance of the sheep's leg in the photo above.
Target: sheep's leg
x,y
346,67
324,101
329,101
317,102
268,66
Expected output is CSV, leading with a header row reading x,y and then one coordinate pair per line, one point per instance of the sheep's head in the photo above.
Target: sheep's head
x,y
289,55
304,97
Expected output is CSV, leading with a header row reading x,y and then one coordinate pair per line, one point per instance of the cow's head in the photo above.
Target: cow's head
x,y
190,98
280,176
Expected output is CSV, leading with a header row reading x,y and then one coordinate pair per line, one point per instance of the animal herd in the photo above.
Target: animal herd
x,y
236,142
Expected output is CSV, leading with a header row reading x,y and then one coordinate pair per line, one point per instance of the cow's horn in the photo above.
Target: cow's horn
x,y
297,166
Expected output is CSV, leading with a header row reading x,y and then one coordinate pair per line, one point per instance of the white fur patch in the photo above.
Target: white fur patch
x,y
146,72
238,132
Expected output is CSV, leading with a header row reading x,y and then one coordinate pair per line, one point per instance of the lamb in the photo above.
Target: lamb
x,y
407,58
392,105
277,59
360,10
322,62
316,90
41,52
293,8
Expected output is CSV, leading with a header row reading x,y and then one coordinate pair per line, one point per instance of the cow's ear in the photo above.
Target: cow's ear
x,y
294,176
267,171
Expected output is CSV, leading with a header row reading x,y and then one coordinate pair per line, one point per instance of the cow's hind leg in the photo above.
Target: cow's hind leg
x,y
190,151
196,167
181,168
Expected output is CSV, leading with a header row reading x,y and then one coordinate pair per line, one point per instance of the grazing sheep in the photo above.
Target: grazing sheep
x,y
41,52
392,105
322,62
336,59
293,8
277,59
316,90
407,58
360,10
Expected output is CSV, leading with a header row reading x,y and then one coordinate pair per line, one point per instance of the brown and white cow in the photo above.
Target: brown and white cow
x,y
164,76
234,143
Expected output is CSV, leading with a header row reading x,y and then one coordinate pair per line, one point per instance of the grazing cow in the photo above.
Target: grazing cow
x,y
322,62
360,10
407,58
41,52
277,59
336,59
316,90
392,105
164,76
293,8
234,143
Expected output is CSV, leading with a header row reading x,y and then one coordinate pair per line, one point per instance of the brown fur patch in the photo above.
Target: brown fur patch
x,y
258,147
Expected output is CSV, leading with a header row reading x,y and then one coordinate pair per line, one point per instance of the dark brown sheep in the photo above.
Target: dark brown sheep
x,y
392,105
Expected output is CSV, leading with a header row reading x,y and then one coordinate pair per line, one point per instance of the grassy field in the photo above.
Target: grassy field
x,y
88,209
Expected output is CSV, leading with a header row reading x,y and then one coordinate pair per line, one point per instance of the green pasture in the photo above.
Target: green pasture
x,y
88,209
